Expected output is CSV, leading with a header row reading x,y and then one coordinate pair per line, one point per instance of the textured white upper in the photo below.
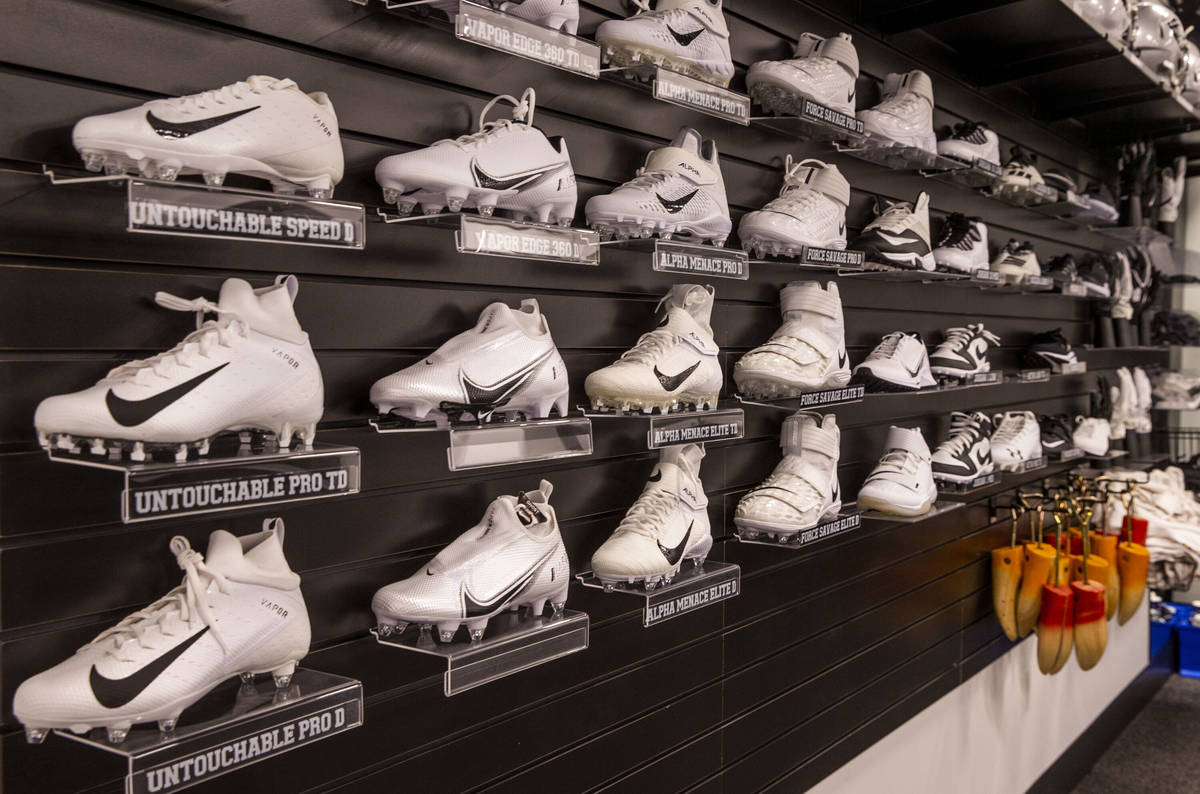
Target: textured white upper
x,y
810,345
240,608
694,30
903,477
1017,260
1091,434
804,485
900,357
824,70
905,114
809,210
976,142
259,365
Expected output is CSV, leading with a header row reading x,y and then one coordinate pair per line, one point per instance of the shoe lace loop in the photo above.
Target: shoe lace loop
x,y
177,610
650,346
1010,428
219,96
208,334
894,217
887,346
522,113
648,513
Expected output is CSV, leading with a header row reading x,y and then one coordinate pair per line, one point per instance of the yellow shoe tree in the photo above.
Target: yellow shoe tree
x,y
1007,562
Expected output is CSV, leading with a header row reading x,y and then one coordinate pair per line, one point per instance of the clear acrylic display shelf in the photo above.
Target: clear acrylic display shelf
x,y
897,156
813,400
939,507
688,258
814,122
684,91
961,488
493,235
693,587
512,642
680,427
877,272
474,445
238,472
850,518
976,175
235,726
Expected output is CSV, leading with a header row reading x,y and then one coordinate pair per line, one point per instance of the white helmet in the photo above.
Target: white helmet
x,y
1189,72
1156,35
1111,16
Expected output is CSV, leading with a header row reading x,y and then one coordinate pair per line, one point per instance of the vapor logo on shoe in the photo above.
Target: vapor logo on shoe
x,y
184,129
685,39
485,180
114,693
673,382
130,413
675,205
673,556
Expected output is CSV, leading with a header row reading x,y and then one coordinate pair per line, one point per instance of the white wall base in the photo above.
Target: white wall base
x,y
998,732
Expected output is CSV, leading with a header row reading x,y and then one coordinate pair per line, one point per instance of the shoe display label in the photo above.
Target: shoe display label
x,y
704,260
1033,464
688,92
1070,454
988,167
1033,375
826,529
817,399
260,722
986,378
695,427
195,210
1076,289
1074,368
982,481
815,111
832,257
1039,283
692,587
986,276
500,237
499,31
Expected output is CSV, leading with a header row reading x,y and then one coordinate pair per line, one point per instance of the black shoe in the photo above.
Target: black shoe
x,y
1056,432
1050,349
1096,276
1062,269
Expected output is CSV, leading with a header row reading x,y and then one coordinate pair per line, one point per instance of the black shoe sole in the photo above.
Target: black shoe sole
x,y
874,383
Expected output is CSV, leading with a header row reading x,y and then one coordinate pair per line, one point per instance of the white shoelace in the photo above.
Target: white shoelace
x,y
964,432
644,178
1010,428
898,460
887,347
232,92
648,513
893,219
175,612
958,338
222,332
522,113
650,346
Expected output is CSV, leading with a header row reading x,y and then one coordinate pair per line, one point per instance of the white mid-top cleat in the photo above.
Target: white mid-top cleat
x,y
508,164
506,364
678,192
803,489
898,236
238,611
905,115
252,368
806,353
665,526
561,15
963,244
1017,261
1018,438
899,362
822,70
964,352
809,211
261,126
902,482
970,141
685,36
674,367
967,454
512,558
1091,435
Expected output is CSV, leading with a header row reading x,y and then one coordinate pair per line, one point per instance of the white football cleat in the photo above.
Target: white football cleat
x,y
1020,171
238,611
971,141
261,127
252,368
1091,435
899,362
809,211
508,164
898,236
685,36
1018,438
803,489
665,526
561,15
678,192
806,353
904,117
674,367
512,558
967,454
1017,261
506,364
902,482
823,70
963,352
963,245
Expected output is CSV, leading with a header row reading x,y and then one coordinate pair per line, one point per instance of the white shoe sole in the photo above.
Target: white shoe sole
x,y
869,502
621,53
786,530
631,225
421,410
767,385
697,554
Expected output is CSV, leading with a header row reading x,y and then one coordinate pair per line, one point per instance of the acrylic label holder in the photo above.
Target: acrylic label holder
x,y
814,122
982,481
499,31
811,399
702,260
847,520
259,723
1033,464
231,477
1068,454
693,587
513,641
688,92
695,427
501,443
1039,375
937,509
501,237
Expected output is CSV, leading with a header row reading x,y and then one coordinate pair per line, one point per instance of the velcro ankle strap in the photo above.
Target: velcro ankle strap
x,y
807,299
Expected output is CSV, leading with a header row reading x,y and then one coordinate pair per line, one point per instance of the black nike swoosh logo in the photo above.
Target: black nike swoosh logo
x,y
473,608
498,394
183,129
485,180
842,359
673,382
675,205
130,413
673,556
685,39
655,477
114,693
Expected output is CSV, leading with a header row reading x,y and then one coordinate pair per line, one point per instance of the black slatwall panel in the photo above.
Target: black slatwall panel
x,y
826,650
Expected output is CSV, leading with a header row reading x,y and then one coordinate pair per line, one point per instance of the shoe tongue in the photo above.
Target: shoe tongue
x,y
684,157
495,315
692,300
224,554
268,311
907,439
266,81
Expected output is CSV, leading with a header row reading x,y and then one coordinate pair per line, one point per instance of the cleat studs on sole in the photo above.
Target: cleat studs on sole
x,y
138,453
181,453
320,192
430,209
35,735
446,636
406,207
214,179
247,678
476,635
486,210
283,675
204,447
168,725
168,173
114,168
558,607
454,204
390,195
98,447
94,162
117,733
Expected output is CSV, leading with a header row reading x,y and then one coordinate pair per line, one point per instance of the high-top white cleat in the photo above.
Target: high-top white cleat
x,y
678,192
506,364
963,244
898,236
1017,439
809,211
899,362
902,482
260,126
967,453
561,15
238,611
512,558
685,36
803,489
806,353
822,70
252,368
963,352
508,164
674,367
665,526
904,117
